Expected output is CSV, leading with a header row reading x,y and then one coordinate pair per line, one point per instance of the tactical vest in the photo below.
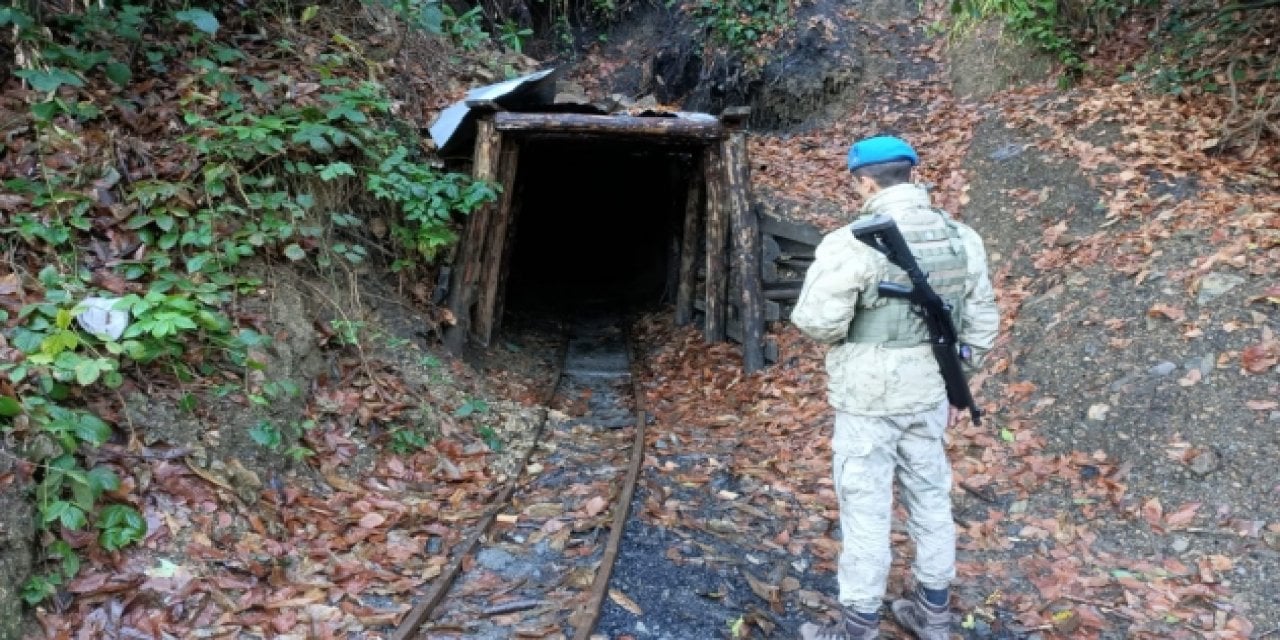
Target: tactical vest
x,y
940,253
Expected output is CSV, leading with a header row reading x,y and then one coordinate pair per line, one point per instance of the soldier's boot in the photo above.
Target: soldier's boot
x,y
850,627
926,621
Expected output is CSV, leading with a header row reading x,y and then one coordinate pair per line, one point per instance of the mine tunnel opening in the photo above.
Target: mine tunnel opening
x,y
598,225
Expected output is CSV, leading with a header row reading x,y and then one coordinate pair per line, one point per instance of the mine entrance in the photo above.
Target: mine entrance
x,y
630,208
599,223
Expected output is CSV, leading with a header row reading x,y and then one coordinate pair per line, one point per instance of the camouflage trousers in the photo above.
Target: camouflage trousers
x,y
871,452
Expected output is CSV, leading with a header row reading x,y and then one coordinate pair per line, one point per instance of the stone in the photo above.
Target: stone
x,y
1098,412
1214,285
1274,417
1007,151
1163,369
1180,544
495,559
1205,462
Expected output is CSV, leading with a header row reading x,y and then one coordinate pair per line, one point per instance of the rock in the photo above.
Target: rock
x,y
1208,362
1098,412
1274,417
1163,369
1007,151
1205,462
1215,284
1180,544
495,559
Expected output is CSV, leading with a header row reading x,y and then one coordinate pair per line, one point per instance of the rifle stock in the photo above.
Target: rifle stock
x,y
881,233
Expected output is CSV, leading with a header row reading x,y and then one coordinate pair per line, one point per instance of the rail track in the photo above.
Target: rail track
x,y
538,563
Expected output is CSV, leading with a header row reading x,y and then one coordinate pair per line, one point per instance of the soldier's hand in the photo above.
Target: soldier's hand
x,y
953,416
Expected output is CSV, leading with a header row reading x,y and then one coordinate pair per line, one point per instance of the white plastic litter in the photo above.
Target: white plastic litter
x,y
101,320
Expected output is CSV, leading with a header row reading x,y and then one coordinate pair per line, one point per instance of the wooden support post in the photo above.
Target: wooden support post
x,y
688,279
493,267
746,240
507,250
466,267
717,227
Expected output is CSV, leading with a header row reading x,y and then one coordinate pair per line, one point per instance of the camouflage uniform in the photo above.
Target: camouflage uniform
x,y
889,397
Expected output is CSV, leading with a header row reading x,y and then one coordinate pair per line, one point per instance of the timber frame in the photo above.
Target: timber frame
x,y
720,245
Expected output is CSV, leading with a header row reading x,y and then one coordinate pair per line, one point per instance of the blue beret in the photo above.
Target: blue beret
x,y
879,150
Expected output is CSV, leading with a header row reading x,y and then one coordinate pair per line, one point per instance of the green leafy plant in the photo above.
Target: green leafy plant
x,y
255,161
470,407
490,438
406,440
512,36
464,28
740,25
1064,31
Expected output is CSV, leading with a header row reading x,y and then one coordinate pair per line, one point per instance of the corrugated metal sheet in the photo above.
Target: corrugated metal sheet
x,y
456,125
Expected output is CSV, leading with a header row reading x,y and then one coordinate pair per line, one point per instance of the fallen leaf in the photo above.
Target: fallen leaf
x,y
372,520
1183,516
623,601
1259,358
595,505
767,592
1163,310
1153,512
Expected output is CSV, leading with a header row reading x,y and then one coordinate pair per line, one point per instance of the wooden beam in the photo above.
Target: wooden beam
x,y
717,229
507,251
466,267
613,126
688,279
790,294
798,231
746,241
493,268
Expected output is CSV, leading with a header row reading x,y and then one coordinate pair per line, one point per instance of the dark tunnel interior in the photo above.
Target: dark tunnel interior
x,y
598,223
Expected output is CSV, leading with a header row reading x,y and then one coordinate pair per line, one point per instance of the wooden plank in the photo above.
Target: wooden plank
x,y
493,267
688,279
798,231
769,253
788,293
717,231
746,241
466,268
508,250
769,346
612,126
772,311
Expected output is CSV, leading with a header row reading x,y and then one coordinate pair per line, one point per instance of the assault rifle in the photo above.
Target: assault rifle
x,y
881,233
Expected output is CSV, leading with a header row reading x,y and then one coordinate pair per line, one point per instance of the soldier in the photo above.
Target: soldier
x,y
888,393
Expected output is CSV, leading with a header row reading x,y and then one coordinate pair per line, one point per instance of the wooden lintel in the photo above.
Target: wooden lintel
x,y
620,126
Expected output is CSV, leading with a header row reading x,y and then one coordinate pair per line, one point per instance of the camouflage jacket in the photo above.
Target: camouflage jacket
x,y
870,379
